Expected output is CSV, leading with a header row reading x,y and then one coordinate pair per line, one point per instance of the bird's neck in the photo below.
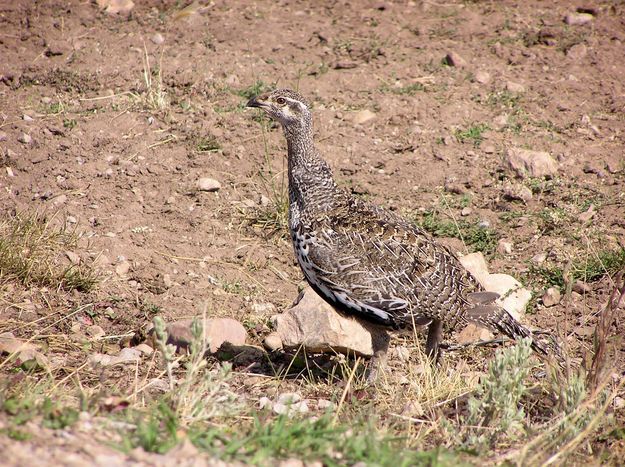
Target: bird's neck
x,y
310,178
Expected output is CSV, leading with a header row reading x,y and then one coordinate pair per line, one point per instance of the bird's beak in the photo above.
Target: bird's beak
x,y
257,101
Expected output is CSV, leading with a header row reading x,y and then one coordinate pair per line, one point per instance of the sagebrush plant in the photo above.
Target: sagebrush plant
x,y
495,408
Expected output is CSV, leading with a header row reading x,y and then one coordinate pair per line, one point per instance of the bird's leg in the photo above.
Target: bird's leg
x,y
435,334
380,340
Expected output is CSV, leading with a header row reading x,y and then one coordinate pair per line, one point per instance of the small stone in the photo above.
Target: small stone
x,y
71,220
3,136
504,246
10,172
455,60
145,349
170,200
27,118
581,287
483,224
127,355
500,122
25,138
577,19
273,342
611,166
516,88
540,258
95,331
488,149
587,215
577,52
551,297
46,100
122,268
466,211
403,354
517,191
157,38
325,404
208,184
619,403
216,330
291,463
264,201
73,257
537,164
114,7
482,77
363,116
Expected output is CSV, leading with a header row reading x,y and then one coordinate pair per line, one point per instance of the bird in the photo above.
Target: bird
x,y
372,263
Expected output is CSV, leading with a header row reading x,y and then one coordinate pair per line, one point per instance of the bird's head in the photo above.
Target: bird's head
x,y
283,105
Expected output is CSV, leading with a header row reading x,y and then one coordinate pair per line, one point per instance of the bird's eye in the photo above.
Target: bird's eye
x,y
281,100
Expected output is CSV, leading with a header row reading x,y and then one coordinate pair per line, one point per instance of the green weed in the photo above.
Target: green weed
x,y
472,134
476,238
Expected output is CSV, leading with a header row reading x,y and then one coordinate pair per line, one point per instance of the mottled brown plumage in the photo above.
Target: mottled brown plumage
x,y
370,262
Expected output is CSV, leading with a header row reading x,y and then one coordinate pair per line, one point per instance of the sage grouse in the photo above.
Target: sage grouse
x,y
369,262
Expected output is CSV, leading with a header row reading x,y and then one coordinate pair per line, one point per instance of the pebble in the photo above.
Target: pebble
x,y
581,287
577,19
122,268
27,118
577,52
500,122
455,60
363,116
504,246
264,201
482,77
517,88
73,257
71,220
466,211
540,258
484,224
551,297
403,353
525,162
157,38
488,149
208,184
272,342
3,136
25,138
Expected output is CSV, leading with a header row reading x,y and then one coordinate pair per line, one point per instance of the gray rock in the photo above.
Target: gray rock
x,y
577,19
577,52
363,116
504,246
517,191
157,38
581,287
516,88
216,330
25,138
525,162
315,325
455,60
551,297
208,184
482,77
272,342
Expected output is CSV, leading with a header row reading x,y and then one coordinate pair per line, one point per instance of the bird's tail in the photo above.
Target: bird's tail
x,y
497,319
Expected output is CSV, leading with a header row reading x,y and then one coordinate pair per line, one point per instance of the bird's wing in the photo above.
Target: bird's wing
x,y
384,268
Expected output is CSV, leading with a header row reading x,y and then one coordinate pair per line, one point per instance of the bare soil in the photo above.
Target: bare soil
x,y
105,157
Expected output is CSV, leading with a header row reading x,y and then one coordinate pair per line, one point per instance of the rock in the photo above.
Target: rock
x,y
73,257
612,166
539,258
476,265
619,403
3,136
56,47
288,403
145,349
127,355
466,211
217,331
587,215
500,122
291,463
517,191
516,88
403,353
551,297
577,19
455,60
263,308
488,149
94,331
157,38
325,404
208,184
272,342
27,118
504,246
581,287
472,333
122,268
25,138
513,297
21,351
315,325
363,116
577,52
526,163
114,7
482,77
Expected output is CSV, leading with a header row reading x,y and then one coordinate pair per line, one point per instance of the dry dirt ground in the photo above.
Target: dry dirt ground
x,y
107,122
